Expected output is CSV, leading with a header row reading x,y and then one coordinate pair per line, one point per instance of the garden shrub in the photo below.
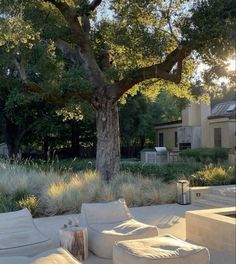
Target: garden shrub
x,y
214,175
206,155
61,166
167,172
50,193
7,203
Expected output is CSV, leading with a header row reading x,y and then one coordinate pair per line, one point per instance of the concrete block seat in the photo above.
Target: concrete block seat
x,y
19,236
53,256
159,250
110,222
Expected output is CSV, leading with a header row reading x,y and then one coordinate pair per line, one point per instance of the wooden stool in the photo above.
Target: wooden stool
x,y
75,240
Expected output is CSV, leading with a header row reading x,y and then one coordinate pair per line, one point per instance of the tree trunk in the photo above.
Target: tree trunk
x,y
142,141
75,146
12,139
45,147
108,140
75,240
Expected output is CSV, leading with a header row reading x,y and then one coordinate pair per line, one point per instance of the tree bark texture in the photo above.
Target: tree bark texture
x,y
75,240
108,140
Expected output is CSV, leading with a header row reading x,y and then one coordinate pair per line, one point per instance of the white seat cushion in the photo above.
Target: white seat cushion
x,y
102,237
162,250
19,235
56,256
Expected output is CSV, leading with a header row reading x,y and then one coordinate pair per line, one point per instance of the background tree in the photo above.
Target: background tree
x,y
139,115
148,44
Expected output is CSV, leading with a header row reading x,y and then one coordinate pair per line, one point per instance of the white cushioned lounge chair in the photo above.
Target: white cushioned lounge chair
x,y
109,223
19,236
53,256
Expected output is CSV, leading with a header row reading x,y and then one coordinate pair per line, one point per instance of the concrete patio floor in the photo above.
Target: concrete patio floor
x,y
169,218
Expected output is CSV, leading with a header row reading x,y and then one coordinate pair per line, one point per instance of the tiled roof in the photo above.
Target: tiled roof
x,y
224,109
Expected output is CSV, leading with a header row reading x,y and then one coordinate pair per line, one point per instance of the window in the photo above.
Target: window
x,y
161,140
176,139
217,137
231,108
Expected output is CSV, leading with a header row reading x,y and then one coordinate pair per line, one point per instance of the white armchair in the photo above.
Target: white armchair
x,y
109,223
19,236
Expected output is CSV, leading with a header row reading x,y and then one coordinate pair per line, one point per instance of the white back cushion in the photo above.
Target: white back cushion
x,y
110,212
21,219
17,229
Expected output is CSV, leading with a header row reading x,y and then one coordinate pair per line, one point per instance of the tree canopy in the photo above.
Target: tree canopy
x,y
65,52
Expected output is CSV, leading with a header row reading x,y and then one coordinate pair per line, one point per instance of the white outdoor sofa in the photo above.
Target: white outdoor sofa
x,y
108,223
20,237
53,256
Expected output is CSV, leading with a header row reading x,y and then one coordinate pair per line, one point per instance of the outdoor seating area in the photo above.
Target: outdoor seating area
x,y
117,132
114,236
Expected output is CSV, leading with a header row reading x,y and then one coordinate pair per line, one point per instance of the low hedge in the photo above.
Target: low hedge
x,y
206,155
168,171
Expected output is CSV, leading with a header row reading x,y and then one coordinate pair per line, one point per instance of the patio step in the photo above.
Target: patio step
x,y
210,204
225,199
222,193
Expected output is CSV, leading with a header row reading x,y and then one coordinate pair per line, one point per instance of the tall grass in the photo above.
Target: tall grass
x,y
50,193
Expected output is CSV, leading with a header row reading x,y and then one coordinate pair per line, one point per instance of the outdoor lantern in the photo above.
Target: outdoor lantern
x,y
183,192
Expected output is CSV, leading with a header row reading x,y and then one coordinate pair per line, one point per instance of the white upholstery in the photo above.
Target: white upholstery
x,y
110,212
54,256
19,235
162,250
108,223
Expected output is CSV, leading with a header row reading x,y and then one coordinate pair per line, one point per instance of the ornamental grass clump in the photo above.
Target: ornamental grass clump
x,y
214,175
48,193
16,177
68,195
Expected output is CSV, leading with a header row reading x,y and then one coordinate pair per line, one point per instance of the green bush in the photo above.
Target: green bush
x,y
65,165
206,155
7,203
168,171
214,175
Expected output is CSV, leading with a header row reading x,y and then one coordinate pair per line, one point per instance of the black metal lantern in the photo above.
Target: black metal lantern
x,y
183,192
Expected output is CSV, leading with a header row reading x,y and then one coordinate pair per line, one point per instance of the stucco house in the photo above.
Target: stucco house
x,y
200,126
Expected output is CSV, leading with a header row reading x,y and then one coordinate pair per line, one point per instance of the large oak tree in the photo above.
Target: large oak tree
x,y
138,44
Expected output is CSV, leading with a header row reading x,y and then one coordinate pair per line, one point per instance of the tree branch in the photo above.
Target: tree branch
x,y
68,52
60,101
169,23
81,38
162,70
37,89
21,69
68,12
94,4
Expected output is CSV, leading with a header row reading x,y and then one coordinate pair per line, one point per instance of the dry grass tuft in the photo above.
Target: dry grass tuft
x,y
58,194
